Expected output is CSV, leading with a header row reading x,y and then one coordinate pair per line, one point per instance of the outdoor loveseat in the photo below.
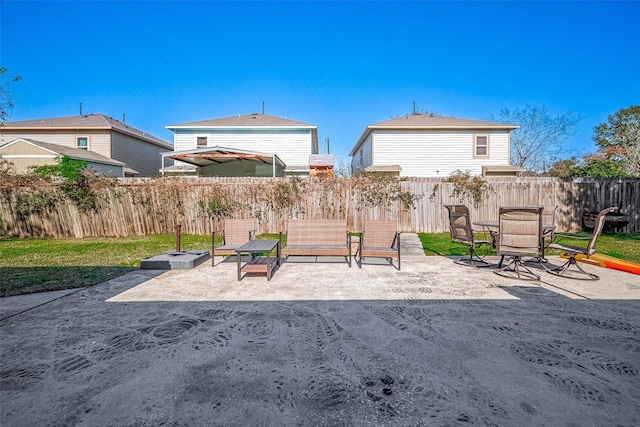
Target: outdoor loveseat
x,y
317,238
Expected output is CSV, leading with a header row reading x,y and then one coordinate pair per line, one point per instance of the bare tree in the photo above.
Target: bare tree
x,y
6,104
342,168
538,143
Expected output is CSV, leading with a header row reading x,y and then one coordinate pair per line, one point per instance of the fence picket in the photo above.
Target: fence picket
x,y
138,206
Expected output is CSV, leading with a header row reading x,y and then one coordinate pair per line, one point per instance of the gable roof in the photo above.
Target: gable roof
x,y
429,122
247,120
73,153
88,122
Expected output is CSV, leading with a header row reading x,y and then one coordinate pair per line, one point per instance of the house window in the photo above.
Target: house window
x,y
481,146
82,142
202,141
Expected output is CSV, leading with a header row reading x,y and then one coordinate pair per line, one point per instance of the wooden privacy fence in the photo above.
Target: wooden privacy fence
x,y
150,206
572,196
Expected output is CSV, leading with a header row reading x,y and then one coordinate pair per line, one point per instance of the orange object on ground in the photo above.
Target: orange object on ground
x,y
609,262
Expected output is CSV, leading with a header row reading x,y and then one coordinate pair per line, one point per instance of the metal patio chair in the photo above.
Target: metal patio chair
x,y
519,236
573,251
461,232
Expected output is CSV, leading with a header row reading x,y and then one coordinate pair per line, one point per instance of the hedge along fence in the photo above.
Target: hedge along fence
x,y
148,206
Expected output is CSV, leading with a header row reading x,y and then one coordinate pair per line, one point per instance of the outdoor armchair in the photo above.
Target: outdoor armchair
x,y
235,233
573,251
379,239
461,232
519,236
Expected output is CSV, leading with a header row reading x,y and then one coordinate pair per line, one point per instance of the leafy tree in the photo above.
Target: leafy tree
x,y
65,168
563,168
75,180
539,140
6,105
595,165
619,138
600,167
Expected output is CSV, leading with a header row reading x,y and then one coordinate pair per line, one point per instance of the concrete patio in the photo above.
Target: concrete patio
x,y
322,344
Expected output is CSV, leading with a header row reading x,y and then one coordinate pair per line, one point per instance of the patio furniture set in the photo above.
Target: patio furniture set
x,y
520,236
378,239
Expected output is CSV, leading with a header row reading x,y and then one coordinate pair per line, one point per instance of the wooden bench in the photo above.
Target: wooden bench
x,y
317,238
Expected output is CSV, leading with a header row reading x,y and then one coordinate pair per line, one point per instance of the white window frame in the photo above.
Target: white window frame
x,y
198,136
85,137
476,145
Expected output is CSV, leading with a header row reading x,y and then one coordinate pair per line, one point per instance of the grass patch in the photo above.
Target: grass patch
x,y
36,265
622,246
440,244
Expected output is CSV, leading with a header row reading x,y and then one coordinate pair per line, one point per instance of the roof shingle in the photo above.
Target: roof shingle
x,y
428,120
89,121
256,119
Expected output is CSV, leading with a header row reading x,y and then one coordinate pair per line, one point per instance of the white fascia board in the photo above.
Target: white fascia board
x,y
28,156
195,128
10,143
33,144
465,127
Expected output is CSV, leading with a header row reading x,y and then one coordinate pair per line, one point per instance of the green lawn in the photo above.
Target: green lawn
x,y
625,247
35,265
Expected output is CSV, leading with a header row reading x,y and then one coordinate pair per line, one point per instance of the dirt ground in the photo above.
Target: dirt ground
x,y
322,344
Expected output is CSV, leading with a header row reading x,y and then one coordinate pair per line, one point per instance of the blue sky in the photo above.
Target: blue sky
x,y
337,65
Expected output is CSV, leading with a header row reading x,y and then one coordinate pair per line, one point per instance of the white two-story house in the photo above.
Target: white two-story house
x,y
426,145
245,145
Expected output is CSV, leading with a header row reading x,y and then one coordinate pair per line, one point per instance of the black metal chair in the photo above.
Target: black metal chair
x,y
579,273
